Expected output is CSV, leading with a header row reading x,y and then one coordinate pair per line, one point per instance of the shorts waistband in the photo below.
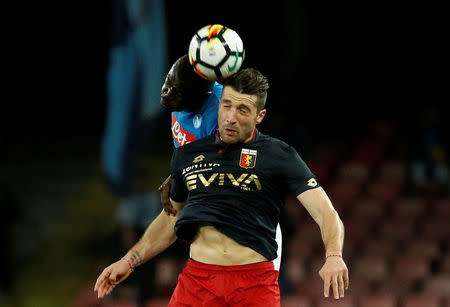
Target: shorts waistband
x,y
266,265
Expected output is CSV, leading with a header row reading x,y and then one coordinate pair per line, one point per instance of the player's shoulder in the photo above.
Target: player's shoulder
x,y
274,142
277,148
194,146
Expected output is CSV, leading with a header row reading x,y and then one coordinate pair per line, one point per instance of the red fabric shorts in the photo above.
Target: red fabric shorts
x,y
202,284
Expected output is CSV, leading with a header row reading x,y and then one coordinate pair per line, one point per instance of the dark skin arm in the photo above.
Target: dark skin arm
x,y
164,190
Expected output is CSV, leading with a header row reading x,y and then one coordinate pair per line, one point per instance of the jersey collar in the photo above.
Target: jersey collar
x,y
219,139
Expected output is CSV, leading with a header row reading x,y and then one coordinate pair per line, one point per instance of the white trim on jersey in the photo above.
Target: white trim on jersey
x,y
279,239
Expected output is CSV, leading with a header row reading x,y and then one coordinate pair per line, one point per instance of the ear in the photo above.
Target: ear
x,y
260,116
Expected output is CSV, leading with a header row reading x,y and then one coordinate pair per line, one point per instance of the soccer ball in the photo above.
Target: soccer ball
x,y
216,52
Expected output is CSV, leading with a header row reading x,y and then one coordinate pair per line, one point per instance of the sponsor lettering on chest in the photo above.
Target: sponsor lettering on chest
x,y
203,175
179,134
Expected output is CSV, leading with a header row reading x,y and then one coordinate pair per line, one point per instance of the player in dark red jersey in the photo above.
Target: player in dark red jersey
x,y
228,189
194,103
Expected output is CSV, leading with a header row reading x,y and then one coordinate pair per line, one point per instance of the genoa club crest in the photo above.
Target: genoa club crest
x,y
248,158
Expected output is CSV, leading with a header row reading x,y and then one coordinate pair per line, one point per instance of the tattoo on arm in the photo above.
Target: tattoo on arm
x,y
136,258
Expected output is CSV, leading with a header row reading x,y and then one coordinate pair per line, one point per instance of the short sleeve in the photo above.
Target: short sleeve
x,y
296,174
178,190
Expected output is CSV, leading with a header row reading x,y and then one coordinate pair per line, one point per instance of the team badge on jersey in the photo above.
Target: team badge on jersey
x,y
248,158
197,121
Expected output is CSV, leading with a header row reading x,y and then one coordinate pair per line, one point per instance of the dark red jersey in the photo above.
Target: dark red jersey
x,y
238,188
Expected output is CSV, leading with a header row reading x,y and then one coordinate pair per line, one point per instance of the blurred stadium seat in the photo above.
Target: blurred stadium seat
x,y
311,288
295,301
357,229
295,271
435,228
330,301
166,275
353,171
380,247
438,284
409,207
298,248
379,300
119,303
395,286
369,152
397,229
87,297
359,286
421,300
157,302
309,231
350,249
422,248
344,192
441,207
384,190
392,171
410,267
444,263
370,267
368,209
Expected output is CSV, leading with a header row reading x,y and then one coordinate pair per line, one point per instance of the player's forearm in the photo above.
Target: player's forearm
x,y
158,236
332,230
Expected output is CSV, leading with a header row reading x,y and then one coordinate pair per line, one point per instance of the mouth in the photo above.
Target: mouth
x,y
170,104
230,131
164,103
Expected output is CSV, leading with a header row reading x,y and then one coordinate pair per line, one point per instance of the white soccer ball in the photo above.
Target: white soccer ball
x,y
216,52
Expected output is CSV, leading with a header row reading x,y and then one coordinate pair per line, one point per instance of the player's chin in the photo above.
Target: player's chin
x,y
168,105
230,139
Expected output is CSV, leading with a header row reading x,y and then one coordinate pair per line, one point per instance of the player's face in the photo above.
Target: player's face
x,y
238,116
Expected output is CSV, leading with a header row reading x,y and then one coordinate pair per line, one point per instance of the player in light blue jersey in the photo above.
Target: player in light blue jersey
x,y
194,103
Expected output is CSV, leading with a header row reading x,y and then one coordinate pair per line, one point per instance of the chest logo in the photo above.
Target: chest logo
x,y
248,158
199,158
197,121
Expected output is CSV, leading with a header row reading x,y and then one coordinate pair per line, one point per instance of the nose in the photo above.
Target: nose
x,y
164,90
231,117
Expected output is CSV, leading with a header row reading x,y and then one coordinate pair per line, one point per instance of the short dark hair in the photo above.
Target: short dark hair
x,y
251,82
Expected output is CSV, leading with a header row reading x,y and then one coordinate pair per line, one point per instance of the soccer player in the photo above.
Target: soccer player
x,y
227,189
194,102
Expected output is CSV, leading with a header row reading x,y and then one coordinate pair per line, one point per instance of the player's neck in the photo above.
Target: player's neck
x,y
248,140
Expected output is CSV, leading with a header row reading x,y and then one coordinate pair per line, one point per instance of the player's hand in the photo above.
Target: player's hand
x,y
164,190
335,274
112,276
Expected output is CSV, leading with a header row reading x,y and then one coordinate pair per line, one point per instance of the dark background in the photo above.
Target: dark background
x,y
330,64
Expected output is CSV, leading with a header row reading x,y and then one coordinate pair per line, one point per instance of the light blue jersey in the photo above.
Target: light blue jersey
x,y
191,125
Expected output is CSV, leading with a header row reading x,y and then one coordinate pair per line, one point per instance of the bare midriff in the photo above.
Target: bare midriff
x,y
213,247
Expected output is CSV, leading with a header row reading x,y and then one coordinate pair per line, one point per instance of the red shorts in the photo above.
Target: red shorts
x,y
202,284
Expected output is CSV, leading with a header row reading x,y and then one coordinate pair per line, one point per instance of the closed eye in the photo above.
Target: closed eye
x,y
244,110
